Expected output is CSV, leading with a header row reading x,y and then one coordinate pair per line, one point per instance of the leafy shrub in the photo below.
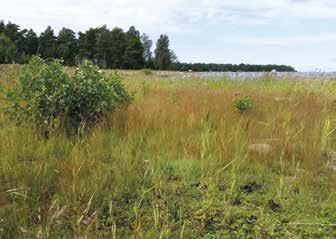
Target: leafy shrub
x,y
41,94
243,104
51,99
93,94
147,72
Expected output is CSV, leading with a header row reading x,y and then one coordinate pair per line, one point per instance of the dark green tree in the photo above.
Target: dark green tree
x,y
173,57
134,52
22,55
82,46
7,49
67,46
103,47
12,31
31,42
162,58
147,45
48,44
2,26
87,45
118,45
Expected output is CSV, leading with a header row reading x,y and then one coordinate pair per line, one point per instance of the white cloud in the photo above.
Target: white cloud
x,y
191,23
172,15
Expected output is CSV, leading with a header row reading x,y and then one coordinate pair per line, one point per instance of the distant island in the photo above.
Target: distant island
x,y
206,67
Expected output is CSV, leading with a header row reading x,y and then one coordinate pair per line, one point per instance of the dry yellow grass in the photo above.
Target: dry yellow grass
x,y
179,164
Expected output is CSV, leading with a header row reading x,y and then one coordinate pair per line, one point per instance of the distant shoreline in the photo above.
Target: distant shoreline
x,y
249,75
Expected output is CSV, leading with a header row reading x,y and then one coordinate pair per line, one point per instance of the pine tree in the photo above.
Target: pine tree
x,y
67,46
47,44
133,57
82,49
103,47
2,26
31,42
118,45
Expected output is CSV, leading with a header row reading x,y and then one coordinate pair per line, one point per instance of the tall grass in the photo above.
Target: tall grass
x,y
178,164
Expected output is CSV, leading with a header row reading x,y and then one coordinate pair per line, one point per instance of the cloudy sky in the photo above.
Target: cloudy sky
x,y
301,33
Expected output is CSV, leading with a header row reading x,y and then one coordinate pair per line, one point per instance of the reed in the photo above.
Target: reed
x,y
180,162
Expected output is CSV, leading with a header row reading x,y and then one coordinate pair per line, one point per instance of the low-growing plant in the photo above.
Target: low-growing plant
x,y
147,72
243,104
51,99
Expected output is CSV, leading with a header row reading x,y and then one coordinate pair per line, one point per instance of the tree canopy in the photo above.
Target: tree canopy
x,y
114,49
67,46
162,58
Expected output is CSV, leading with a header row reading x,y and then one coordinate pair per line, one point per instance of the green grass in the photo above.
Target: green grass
x,y
177,164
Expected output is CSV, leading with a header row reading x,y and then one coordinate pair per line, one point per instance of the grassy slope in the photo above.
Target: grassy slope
x,y
177,165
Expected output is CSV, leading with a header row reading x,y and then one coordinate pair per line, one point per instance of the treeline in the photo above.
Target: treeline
x,y
230,67
108,48
114,48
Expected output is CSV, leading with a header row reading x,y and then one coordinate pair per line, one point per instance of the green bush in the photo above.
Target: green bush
x,y
93,94
147,72
243,104
51,99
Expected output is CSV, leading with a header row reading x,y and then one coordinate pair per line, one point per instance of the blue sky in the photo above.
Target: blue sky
x,y
301,33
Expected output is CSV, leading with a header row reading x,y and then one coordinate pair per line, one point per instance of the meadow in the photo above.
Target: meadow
x,y
179,162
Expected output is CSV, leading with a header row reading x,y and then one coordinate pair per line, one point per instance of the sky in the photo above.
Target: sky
x,y
301,33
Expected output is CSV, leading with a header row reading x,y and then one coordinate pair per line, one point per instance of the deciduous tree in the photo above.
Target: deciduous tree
x,y
162,58
7,49
147,45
